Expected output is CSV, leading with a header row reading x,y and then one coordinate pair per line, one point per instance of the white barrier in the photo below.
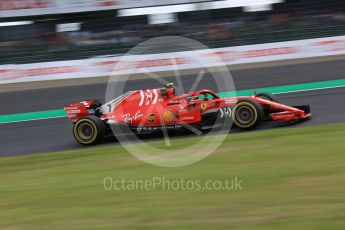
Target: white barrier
x,y
96,67
15,8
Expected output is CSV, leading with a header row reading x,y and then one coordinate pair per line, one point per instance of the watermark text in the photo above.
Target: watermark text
x,y
166,184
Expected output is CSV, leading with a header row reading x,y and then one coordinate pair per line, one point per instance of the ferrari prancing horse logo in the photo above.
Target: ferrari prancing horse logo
x,y
203,106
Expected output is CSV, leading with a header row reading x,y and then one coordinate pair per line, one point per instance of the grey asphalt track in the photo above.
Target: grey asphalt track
x,y
328,105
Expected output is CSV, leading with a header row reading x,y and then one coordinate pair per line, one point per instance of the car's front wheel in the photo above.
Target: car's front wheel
x,y
89,130
247,114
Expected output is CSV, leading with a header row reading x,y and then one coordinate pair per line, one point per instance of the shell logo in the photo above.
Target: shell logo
x,y
168,116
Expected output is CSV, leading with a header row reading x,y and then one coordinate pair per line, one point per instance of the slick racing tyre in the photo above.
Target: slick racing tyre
x,y
268,97
89,130
247,114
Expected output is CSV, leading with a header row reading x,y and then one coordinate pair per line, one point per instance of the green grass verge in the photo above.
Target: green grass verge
x,y
291,179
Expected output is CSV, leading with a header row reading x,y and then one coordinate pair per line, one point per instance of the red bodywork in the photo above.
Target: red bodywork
x,y
280,112
161,107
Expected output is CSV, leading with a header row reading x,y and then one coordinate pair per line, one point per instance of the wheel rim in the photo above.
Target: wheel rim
x,y
244,115
85,131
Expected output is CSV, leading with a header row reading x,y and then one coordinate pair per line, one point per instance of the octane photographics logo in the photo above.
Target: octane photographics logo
x,y
140,69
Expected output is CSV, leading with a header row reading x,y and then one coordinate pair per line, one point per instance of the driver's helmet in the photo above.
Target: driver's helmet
x,y
169,85
170,89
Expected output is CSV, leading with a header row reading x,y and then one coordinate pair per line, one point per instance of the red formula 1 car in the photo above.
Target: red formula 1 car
x,y
145,111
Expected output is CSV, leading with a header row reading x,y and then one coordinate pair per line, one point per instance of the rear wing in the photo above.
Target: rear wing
x,y
78,110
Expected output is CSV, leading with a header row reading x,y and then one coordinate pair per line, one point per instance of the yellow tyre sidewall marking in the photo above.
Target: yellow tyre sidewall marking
x,y
235,111
76,135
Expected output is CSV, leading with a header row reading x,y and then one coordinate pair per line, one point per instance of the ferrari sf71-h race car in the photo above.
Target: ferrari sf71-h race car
x,y
146,111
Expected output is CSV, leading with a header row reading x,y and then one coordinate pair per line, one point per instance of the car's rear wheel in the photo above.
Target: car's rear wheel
x,y
268,97
247,114
89,130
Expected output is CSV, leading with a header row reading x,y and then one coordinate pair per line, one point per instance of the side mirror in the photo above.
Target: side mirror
x,y
191,105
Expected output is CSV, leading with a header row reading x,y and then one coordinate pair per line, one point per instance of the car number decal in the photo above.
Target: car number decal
x,y
225,112
148,97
